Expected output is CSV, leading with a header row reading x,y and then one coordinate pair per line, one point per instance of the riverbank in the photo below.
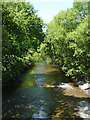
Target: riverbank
x,y
17,80
82,91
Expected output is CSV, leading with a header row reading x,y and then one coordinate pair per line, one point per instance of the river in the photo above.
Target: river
x,y
30,99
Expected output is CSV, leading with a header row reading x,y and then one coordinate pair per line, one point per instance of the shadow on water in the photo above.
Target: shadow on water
x,y
31,100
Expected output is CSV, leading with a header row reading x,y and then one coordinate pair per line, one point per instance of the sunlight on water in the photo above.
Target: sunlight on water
x,y
44,93
84,109
40,113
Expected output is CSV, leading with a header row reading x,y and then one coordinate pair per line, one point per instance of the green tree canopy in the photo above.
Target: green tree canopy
x,y
66,41
22,35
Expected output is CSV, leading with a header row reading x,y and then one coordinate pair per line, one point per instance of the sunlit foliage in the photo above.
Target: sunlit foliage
x,y
67,41
22,35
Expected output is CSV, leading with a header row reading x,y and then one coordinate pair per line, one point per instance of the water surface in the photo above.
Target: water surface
x,y
30,99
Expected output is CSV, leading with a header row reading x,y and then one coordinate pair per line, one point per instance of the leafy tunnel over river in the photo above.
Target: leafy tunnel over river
x,y
43,91
38,96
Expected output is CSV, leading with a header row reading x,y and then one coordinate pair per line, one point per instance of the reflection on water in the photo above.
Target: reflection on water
x,y
32,100
84,109
40,113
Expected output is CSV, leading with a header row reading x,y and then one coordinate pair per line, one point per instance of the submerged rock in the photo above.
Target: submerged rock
x,y
71,90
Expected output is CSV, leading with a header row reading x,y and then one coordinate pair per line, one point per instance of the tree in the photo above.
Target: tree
x,y
22,35
67,40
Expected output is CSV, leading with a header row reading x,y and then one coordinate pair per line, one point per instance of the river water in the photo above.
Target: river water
x,y
31,100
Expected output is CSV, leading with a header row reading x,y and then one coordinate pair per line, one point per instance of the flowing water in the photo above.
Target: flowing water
x,y
31,100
